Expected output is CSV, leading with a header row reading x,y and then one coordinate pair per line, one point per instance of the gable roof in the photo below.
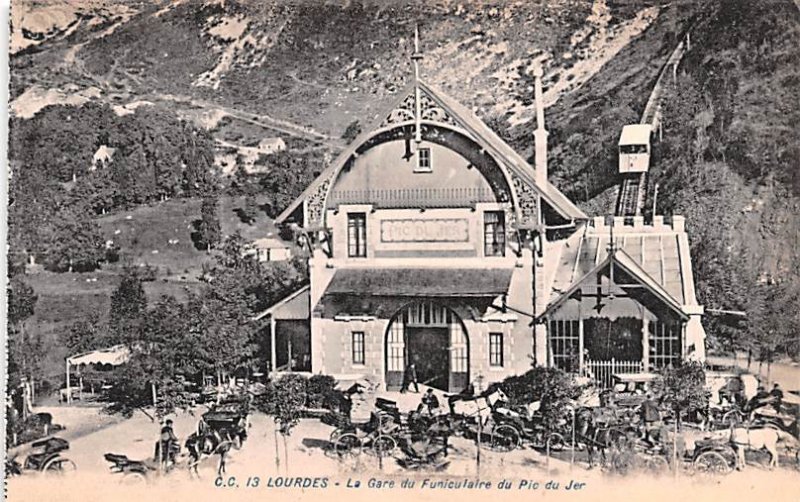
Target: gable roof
x,y
620,259
296,306
655,255
467,121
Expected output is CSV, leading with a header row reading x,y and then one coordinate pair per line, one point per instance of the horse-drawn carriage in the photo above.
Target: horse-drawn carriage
x,y
46,458
421,435
226,425
524,425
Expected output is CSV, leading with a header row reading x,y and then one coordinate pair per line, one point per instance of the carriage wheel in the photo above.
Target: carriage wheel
x,y
348,445
711,463
383,445
60,467
619,439
505,438
133,478
556,441
656,464
335,435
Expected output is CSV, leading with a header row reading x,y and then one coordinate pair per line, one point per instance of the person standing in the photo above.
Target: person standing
x,y
651,417
777,397
409,377
167,443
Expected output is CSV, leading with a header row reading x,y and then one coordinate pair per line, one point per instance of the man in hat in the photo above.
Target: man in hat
x,y
409,377
731,391
429,402
167,444
651,417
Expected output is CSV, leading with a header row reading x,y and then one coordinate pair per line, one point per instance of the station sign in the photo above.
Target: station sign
x,y
425,230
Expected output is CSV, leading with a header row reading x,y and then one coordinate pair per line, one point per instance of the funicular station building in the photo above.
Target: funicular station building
x,y
432,241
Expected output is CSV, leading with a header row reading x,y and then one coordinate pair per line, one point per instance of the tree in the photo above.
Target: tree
x,y
86,334
352,131
25,349
128,305
683,388
21,300
75,243
249,212
284,401
209,229
163,359
554,387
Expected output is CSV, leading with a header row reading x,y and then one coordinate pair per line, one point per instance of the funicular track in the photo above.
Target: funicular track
x,y
632,194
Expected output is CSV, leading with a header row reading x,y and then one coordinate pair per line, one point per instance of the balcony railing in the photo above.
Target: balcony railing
x,y
409,198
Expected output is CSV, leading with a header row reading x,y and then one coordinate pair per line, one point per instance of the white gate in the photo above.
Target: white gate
x,y
601,371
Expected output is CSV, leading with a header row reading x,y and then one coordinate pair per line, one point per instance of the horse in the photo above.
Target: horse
x,y
479,406
207,442
598,434
756,439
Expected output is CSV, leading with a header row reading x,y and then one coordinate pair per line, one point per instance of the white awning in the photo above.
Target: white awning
x,y
116,355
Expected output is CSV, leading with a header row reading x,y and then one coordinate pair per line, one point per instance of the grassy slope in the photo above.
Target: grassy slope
x,y
66,298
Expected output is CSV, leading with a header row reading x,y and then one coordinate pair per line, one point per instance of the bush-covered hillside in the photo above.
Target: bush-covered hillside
x,y
729,163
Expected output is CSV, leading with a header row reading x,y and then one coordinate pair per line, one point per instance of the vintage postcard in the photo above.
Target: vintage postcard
x,y
415,250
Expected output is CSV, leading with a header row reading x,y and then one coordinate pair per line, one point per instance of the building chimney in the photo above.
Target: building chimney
x,y
540,134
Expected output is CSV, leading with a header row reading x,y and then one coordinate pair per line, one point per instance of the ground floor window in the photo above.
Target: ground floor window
x,y
665,343
459,357
619,339
395,346
565,344
495,349
358,347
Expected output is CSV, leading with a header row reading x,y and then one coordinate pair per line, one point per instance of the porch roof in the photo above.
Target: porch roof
x,y
296,306
658,253
626,263
421,282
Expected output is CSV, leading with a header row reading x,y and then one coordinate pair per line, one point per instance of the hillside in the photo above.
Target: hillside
x,y
221,77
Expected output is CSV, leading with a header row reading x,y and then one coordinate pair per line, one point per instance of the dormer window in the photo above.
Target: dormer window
x,y
424,164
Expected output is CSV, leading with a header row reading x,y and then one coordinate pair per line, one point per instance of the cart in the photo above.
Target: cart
x,y
46,458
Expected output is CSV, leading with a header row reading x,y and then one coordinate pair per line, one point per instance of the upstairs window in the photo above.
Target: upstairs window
x,y
494,233
496,349
357,235
424,164
358,347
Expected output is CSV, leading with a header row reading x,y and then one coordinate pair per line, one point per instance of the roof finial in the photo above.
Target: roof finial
x,y
416,57
612,246
540,134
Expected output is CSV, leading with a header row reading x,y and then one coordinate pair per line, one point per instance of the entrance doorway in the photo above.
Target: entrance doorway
x,y
428,348
434,338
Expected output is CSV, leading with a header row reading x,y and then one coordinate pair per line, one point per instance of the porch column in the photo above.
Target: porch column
x,y
683,340
69,388
580,346
273,356
645,345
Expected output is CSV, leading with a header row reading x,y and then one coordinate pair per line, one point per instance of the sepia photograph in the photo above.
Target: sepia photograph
x,y
407,249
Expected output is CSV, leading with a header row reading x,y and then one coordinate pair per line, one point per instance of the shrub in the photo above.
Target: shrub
x,y
322,393
552,386
683,388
